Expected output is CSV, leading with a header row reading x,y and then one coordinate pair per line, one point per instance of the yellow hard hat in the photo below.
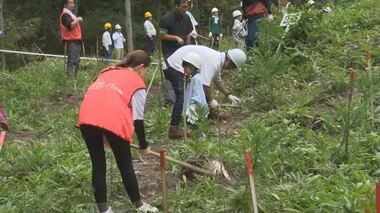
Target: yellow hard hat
x,y
107,26
148,14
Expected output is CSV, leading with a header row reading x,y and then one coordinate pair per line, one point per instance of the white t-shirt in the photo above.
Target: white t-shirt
x,y
149,29
211,66
118,39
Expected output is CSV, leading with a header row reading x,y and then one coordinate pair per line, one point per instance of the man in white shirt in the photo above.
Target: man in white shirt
x,y
106,40
150,32
211,69
119,40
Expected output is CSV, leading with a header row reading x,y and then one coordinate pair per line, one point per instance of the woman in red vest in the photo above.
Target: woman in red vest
x,y
113,107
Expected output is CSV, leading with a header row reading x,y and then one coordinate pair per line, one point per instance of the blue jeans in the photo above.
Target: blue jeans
x,y
176,79
252,37
107,53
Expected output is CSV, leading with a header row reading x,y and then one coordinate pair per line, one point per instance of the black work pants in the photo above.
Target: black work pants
x,y
93,137
74,49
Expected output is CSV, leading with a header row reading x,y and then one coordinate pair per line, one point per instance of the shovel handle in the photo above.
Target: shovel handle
x,y
181,163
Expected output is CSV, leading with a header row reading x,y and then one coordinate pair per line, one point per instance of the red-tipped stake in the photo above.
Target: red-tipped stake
x,y
378,197
251,182
163,179
2,137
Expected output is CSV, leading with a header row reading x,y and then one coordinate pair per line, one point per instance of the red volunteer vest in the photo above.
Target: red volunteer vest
x,y
107,102
70,34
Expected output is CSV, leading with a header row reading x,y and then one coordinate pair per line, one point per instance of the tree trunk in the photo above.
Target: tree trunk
x,y
128,24
3,65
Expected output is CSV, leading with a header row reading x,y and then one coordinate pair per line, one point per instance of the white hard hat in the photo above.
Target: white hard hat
x,y
194,59
327,10
236,13
117,27
214,10
311,2
237,56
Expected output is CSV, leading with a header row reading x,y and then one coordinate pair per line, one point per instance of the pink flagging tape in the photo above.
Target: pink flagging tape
x,y
2,137
249,162
378,197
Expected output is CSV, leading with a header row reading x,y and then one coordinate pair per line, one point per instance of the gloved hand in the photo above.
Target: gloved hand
x,y
235,100
194,34
270,17
214,104
210,34
192,115
220,36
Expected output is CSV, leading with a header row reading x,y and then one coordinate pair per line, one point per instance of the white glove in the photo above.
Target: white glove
x,y
194,34
221,36
214,104
270,17
192,115
210,34
235,100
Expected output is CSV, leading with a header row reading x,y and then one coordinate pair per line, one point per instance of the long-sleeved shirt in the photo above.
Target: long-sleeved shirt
x,y
149,29
194,92
106,40
118,39
238,30
214,25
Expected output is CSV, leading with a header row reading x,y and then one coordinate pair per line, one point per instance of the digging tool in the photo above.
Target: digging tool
x,y
154,75
181,163
231,105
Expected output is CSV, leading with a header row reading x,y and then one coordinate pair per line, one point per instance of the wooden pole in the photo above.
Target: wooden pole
x,y
154,75
372,109
165,202
181,163
251,182
128,24
3,61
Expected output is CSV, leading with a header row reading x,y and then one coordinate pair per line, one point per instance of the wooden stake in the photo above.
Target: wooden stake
x,y
378,197
154,75
2,137
164,183
251,182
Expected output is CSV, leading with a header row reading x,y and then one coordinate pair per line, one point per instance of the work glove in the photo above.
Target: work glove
x,y
235,100
221,36
192,115
214,104
210,34
194,34
270,17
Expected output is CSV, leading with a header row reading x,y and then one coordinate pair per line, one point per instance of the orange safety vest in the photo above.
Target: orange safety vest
x,y
70,34
107,102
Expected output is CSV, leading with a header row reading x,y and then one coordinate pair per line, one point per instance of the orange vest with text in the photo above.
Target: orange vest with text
x,y
70,34
107,102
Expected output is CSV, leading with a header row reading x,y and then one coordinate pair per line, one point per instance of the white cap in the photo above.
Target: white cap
x,y
214,10
117,27
237,56
236,13
194,59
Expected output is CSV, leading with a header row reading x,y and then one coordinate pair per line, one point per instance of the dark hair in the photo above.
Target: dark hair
x,y
135,58
178,2
192,67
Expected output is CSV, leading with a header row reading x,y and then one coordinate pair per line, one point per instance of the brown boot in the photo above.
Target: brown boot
x,y
175,132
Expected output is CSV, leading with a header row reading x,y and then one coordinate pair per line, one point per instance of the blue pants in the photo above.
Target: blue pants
x,y
176,78
252,37
107,54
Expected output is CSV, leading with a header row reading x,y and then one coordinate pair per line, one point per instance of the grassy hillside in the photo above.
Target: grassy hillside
x,y
294,117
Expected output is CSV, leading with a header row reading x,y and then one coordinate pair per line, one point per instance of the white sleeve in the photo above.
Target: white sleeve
x,y
138,104
146,27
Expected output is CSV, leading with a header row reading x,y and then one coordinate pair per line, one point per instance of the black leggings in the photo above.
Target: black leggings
x,y
93,137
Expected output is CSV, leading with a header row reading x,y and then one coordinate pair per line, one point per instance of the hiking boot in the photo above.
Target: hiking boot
x,y
145,207
177,133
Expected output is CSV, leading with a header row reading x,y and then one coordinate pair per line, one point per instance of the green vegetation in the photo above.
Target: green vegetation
x,y
293,119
